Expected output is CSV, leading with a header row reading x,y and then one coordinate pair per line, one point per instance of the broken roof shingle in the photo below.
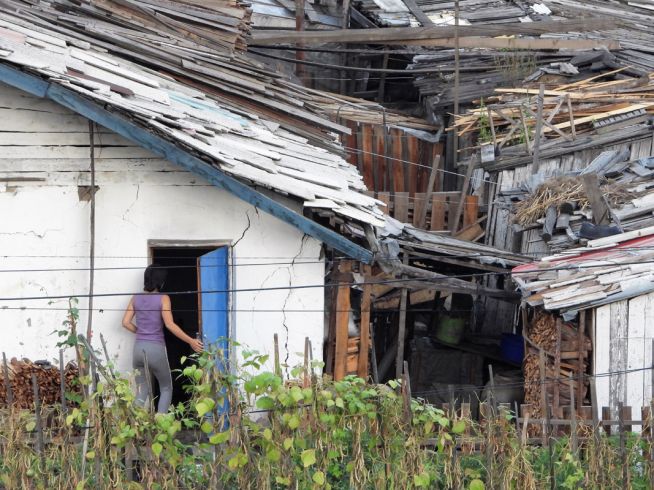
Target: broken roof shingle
x,y
158,63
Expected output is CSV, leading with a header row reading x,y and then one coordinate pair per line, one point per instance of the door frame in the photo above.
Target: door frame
x,y
195,244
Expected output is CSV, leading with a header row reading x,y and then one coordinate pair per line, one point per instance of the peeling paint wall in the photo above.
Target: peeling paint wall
x,y
45,225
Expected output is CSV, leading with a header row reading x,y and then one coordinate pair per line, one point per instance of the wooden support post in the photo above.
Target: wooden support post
x,y
556,397
406,392
491,378
539,126
306,382
40,446
573,416
429,192
572,117
8,387
623,449
62,383
581,375
342,316
364,331
601,210
606,419
299,26
399,360
381,92
278,367
454,224
645,433
550,223
373,355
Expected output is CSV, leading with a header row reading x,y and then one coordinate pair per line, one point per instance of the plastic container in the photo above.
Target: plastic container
x,y
450,330
512,347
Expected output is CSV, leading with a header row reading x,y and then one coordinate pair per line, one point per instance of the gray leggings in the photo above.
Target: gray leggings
x,y
159,369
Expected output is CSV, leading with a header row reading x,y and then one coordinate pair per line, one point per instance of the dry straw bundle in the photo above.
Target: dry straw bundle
x,y
560,190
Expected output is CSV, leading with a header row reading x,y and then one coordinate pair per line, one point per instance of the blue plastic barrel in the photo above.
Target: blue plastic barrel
x,y
513,347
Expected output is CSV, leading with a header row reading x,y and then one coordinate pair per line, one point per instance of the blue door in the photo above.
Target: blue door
x,y
213,279
213,284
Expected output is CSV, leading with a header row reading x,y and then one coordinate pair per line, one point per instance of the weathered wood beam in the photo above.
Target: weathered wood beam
x,y
401,35
342,314
417,12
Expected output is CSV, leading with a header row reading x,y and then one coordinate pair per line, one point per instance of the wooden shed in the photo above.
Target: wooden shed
x,y
602,295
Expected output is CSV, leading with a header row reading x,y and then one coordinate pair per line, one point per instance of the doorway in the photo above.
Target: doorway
x,y
191,271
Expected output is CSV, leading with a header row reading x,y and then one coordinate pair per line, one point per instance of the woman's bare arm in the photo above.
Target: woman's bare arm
x,y
129,316
167,315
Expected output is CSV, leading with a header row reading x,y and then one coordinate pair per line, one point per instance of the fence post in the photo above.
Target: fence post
x,y
546,416
573,416
406,393
305,371
39,423
543,396
62,383
623,452
8,387
278,368
645,434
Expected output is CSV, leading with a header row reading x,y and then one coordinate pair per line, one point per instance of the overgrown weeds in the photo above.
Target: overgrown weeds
x,y
251,428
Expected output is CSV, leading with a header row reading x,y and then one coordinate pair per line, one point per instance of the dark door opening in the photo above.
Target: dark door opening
x,y
181,264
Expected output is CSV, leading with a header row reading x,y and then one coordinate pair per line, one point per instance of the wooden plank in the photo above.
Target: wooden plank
x,y
342,315
454,223
618,354
364,345
401,206
385,197
419,209
601,211
417,12
368,170
397,161
392,302
401,332
382,183
438,206
637,347
470,210
428,193
413,157
393,35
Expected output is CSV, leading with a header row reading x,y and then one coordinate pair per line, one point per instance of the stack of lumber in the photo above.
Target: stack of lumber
x,y
194,90
48,378
394,13
566,351
596,105
608,269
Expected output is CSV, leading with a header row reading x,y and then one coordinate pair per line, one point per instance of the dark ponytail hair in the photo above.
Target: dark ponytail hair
x,y
154,277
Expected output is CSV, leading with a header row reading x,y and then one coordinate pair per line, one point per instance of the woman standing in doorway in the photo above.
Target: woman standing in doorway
x,y
146,316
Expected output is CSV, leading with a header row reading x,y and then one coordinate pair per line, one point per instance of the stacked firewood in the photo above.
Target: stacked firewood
x,y
566,356
47,376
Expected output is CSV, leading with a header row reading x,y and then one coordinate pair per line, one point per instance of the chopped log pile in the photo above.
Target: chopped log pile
x,y
48,378
566,353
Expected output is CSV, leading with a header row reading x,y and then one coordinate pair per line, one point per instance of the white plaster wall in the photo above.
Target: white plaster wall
x,y
45,226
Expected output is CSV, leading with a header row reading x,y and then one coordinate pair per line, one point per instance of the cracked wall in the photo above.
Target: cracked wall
x,y
45,226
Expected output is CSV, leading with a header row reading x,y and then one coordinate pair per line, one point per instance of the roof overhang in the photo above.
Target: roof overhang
x,y
171,152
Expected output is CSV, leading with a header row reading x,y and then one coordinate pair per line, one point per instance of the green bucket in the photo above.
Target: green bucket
x,y
450,330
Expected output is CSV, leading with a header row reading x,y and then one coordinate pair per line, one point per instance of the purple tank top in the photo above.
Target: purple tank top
x,y
149,324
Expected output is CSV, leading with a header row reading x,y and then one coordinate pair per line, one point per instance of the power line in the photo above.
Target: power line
x,y
434,281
